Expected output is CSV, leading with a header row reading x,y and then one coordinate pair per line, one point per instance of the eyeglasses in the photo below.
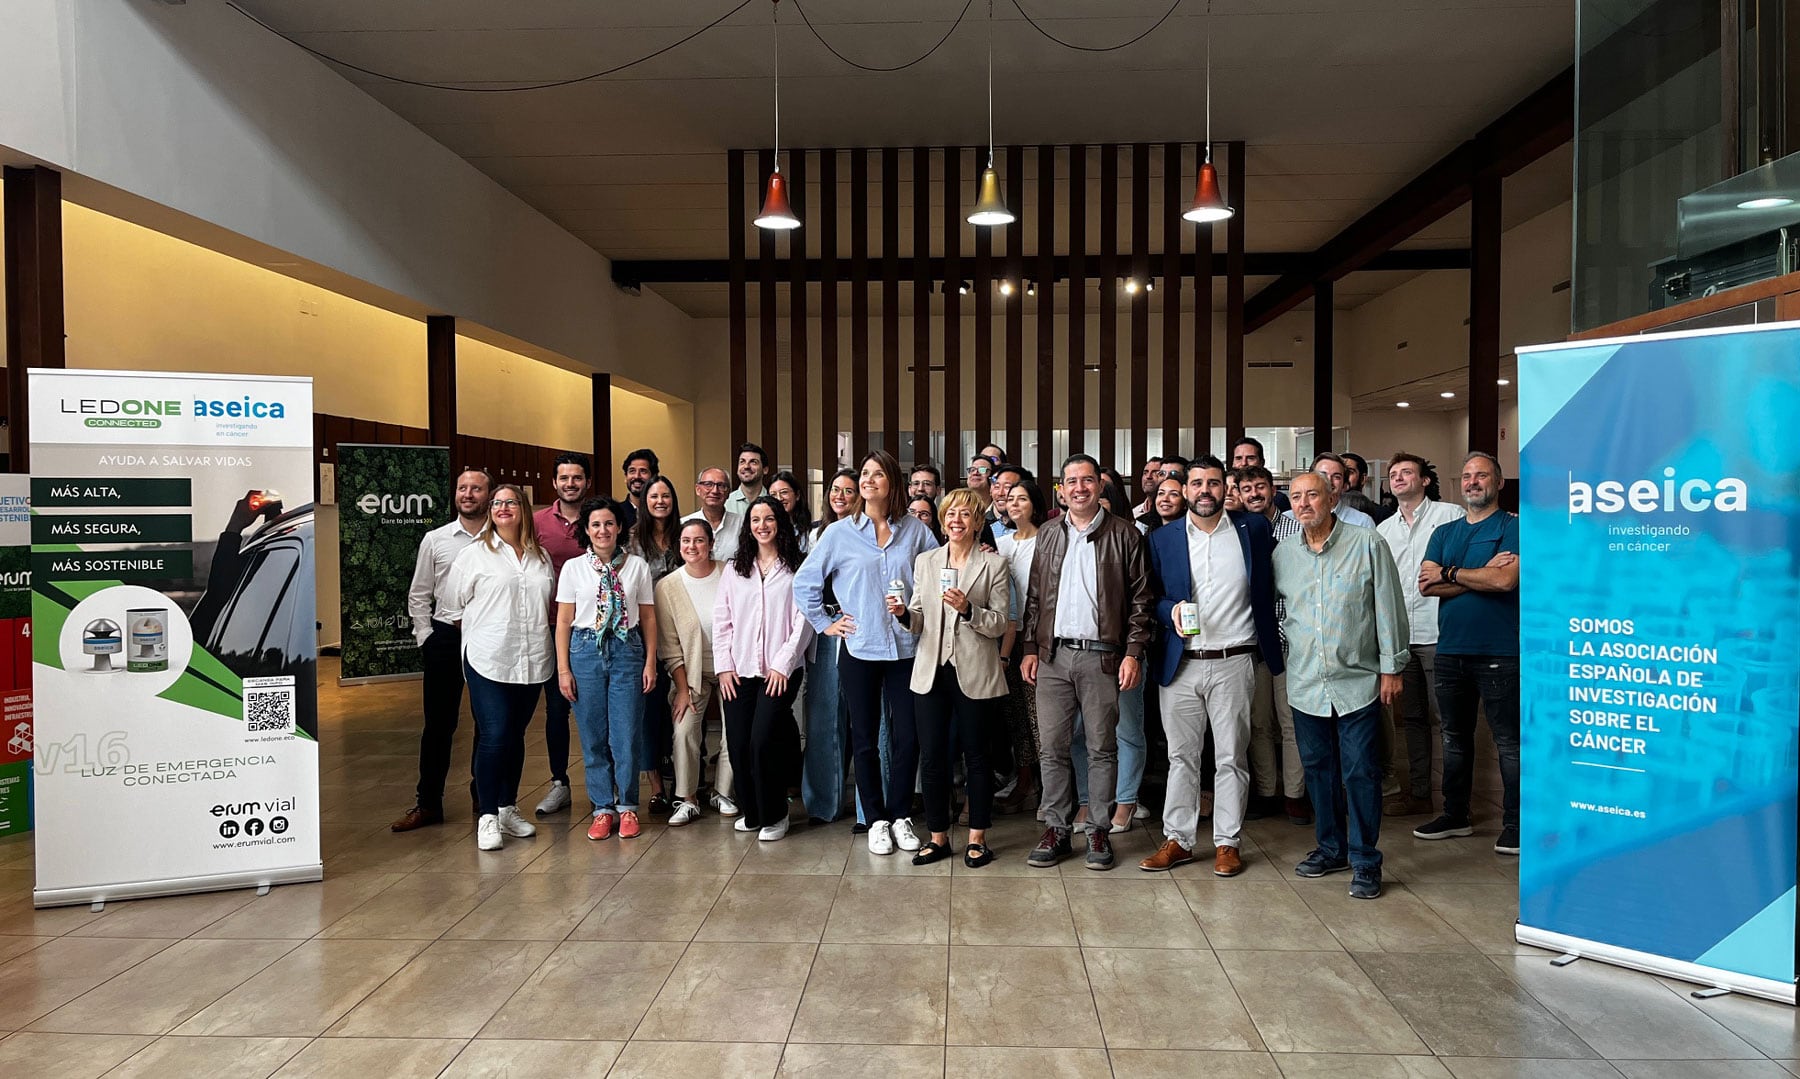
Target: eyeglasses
x,y
979,470
712,485
505,503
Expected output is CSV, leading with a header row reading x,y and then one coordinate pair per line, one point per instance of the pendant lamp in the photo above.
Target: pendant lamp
x,y
1209,198
990,205
777,212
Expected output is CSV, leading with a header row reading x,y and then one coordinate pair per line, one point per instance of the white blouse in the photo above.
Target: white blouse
x,y
580,585
503,601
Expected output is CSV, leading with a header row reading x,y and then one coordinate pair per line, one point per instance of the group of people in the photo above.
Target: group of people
x,y
1292,649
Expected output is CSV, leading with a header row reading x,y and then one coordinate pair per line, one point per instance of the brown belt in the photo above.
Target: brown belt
x,y
1219,653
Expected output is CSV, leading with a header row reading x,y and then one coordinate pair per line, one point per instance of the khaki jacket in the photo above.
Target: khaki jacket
x,y
1127,614
679,639
973,642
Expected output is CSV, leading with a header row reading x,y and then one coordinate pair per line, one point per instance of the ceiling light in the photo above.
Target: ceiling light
x,y
1448,393
1150,285
1402,404
990,206
777,212
1767,202
962,288
1006,288
1131,285
1503,381
1209,197
1031,288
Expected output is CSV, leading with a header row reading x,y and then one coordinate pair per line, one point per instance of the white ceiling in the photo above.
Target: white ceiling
x,y
1339,101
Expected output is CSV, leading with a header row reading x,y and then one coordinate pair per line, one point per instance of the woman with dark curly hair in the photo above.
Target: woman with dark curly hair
x,y
606,661
759,646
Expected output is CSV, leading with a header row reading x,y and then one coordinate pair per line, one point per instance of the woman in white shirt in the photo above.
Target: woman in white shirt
x,y
759,646
684,642
1028,509
606,661
499,594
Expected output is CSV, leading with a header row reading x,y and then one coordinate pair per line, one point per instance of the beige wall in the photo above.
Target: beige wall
x,y
666,427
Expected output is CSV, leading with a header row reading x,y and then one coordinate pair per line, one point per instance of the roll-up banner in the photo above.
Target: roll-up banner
x,y
388,498
15,655
1660,646
174,644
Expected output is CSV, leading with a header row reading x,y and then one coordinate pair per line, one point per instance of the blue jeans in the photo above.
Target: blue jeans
x,y
1131,749
827,731
502,712
1462,682
609,712
1342,758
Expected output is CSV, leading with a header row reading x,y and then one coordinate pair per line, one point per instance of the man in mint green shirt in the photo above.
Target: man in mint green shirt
x,y
1347,636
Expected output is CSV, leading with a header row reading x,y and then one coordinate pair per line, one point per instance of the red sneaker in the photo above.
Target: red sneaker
x,y
628,825
603,826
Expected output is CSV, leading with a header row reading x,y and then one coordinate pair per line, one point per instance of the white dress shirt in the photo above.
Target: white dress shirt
x,y
1078,594
1408,543
1220,587
503,602
431,573
725,535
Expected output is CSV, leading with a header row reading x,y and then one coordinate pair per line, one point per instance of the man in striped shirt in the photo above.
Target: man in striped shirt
x,y
1347,636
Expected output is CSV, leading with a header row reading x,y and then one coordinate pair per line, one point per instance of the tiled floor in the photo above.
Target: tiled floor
x,y
699,952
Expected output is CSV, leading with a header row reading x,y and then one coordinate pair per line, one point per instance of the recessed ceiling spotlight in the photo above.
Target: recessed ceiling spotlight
x,y
1402,404
1448,393
1767,202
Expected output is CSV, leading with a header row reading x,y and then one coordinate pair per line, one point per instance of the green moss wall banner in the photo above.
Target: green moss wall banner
x,y
388,498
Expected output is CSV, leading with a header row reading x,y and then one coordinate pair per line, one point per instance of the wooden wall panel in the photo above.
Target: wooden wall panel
x,y
922,283
767,325
1203,334
1140,314
1484,314
1015,307
737,289
1171,301
1046,311
801,407
1076,395
890,299
982,429
1234,295
859,303
1109,302
953,277
827,215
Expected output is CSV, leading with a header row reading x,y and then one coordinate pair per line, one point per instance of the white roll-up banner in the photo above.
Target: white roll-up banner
x,y
174,645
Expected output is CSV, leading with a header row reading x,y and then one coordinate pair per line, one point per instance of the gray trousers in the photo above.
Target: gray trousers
x,y
1271,720
1073,682
1216,694
1418,710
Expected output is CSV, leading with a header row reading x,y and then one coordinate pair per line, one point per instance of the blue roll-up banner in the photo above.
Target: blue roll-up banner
x,y
1660,647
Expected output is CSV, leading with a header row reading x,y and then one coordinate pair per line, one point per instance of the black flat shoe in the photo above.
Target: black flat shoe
x,y
976,855
931,852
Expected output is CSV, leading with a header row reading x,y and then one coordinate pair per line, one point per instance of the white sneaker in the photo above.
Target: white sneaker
x,y
725,806
1140,813
514,825
557,798
881,838
742,825
487,833
685,813
904,836
774,831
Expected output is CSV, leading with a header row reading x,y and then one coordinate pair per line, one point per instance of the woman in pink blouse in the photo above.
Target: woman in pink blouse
x,y
760,640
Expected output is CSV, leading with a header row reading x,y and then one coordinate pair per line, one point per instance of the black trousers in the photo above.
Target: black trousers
x,y
951,722
765,746
442,655
866,682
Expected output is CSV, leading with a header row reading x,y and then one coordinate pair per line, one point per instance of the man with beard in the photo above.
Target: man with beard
x,y
752,467
558,526
640,467
1356,469
440,645
1472,567
1215,598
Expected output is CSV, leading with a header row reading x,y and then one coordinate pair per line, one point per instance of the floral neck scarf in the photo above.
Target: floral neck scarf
x,y
609,604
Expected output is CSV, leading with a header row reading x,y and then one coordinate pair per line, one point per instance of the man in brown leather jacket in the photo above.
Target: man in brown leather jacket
x,y
1087,624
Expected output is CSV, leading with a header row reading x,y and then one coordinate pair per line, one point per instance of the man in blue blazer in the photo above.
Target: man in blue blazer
x,y
1215,602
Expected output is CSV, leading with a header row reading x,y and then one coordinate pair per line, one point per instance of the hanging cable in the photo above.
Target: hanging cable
x,y
1096,48
328,58
882,70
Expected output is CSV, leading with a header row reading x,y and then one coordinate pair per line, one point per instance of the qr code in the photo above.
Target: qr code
x,y
269,705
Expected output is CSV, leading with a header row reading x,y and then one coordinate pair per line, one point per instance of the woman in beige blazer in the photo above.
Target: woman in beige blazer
x,y
684,612
959,610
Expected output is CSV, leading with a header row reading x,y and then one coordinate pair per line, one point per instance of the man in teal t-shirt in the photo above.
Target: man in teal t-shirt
x,y
1472,567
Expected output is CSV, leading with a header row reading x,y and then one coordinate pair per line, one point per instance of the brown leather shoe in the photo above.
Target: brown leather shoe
x,y
417,818
1405,805
1226,862
1167,857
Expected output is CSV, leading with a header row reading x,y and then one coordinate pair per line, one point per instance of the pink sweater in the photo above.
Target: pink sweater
x,y
757,627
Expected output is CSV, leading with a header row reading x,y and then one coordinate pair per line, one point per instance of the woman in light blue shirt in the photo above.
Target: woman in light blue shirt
x,y
859,558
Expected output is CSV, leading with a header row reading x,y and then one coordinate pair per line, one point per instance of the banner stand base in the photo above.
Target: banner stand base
x,y
372,679
99,895
1711,977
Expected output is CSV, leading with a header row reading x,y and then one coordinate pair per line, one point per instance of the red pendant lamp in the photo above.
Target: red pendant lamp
x,y
1209,197
777,212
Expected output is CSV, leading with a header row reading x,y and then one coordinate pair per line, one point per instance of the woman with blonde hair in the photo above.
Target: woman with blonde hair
x,y
499,592
960,610
863,558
